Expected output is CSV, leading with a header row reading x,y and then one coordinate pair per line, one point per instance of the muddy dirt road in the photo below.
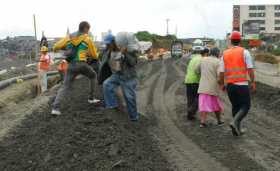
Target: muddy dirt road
x,y
87,137
162,94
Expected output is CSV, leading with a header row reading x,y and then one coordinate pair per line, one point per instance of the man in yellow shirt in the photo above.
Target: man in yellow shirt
x,y
78,48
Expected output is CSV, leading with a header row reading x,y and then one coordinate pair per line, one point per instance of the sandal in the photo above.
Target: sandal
x,y
220,123
203,125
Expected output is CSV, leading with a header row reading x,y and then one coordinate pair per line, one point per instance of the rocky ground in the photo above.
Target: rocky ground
x,y
87,137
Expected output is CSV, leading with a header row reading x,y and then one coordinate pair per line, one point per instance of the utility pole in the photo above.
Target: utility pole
x,y
35,33
35,28
167,26
68,31
176,30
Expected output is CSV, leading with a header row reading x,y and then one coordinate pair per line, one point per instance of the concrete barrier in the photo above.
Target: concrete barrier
x,y
267,69
31,65
273,81
268,74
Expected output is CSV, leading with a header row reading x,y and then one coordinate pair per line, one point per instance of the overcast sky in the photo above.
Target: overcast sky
x,y
193,18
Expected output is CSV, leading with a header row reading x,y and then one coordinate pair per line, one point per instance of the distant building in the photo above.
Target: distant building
x,y
17,46
24,38
257,19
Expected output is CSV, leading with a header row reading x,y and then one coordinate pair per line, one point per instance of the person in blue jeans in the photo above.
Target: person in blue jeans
x,y
121,57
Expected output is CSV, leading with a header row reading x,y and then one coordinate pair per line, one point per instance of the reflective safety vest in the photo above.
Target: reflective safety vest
x,y
235,66
44,63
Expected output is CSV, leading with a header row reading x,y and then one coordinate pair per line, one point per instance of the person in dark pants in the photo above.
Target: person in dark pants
x,y
192,84
236,65
239,97
192,100
79,48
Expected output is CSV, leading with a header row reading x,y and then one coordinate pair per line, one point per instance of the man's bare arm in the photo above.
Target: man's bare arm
x,y
251,73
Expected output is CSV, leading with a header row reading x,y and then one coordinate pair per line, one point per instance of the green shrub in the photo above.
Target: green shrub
x,y
276,52
157,40
245,44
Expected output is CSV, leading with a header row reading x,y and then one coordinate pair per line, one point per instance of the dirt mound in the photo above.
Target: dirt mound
x,y
268,99
83,138
267,58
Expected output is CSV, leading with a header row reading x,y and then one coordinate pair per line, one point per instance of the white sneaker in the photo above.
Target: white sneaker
x,y
243,131
94,101
56,112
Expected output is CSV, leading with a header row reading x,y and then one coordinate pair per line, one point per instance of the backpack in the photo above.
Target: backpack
x,y
71,53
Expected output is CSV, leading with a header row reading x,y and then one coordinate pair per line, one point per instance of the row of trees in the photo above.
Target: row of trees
x,y
157,40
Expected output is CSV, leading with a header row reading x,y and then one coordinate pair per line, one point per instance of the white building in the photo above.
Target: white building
x,y
268,17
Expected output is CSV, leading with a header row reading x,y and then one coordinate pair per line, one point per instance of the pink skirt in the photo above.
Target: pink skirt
x,y
209,103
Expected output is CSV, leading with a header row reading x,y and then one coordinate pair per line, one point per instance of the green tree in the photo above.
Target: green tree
x,y
144,36
157,40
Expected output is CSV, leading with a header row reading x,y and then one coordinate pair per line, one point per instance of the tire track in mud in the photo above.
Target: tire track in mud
x,y
149,75
172,73
216,141
261,144
180,150
148,69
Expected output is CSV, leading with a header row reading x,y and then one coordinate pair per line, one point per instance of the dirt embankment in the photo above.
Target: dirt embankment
x,y
83,138
267,58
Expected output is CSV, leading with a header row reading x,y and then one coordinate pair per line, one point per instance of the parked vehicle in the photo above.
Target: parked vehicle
x,y
177,49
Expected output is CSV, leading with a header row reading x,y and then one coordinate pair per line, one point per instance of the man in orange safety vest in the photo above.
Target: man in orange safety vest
x,y
43,68
236,65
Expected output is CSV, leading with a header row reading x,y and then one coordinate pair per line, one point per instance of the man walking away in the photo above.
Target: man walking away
x,y
192,83
79,46
235,66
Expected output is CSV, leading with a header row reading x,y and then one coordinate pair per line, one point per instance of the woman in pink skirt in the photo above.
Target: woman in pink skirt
x,y
209,101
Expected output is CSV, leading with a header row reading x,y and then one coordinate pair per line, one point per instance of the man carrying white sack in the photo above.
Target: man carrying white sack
x,y
123,60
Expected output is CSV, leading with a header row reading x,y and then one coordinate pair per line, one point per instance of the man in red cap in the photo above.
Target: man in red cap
x,y
236,65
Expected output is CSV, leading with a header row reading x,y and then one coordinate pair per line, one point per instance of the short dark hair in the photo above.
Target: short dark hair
x,y
83,25
204,51
215,52
114,46
235,42
196,52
